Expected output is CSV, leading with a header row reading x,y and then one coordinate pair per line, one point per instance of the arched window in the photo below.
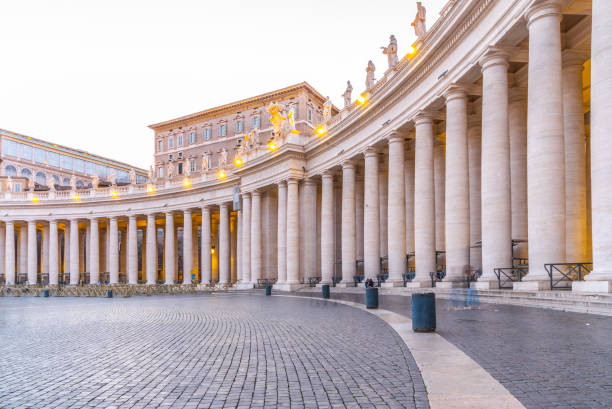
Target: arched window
x,y
41,179
66,182
80,184
25,172
10,170
56,179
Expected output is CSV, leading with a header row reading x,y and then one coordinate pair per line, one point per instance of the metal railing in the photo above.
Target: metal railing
x,y
509,275
358,279
409,276
566,273
436,277
313,281
381,278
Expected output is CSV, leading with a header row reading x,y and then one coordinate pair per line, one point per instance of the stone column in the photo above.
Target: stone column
x,y
409,192
474,149
66,265
310,230
575,160
94,251
9,263
23,249
246,241
496,188
545,146
151,267
348,223
282,233
382,206
517,127
439,201
457,189
32,253
371,215
45,250
224,244
113,250
600,280
396,225
187,247
327,227
53,252
293,235
3,250
359,216
74,252
238,246
424,210
169,248
132,251
206,256
256,246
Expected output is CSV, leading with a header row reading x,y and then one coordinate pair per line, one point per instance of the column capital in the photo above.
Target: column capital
x,y
282,183
328,174
255,193
292,181
494,56
310,182
543,8
187,211
423,117
246,195
370,151
573,59
348,164
455,91
394,136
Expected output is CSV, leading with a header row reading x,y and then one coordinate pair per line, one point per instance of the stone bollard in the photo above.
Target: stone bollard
x,y
423,312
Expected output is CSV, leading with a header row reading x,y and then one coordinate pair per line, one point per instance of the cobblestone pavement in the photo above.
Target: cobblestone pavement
x,y
545,358
224,350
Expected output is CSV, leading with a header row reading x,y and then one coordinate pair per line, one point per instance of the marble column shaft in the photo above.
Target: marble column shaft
x,y
169,262
224,244
32,253
517,128
132,251
310,228
282,233
348,222
151,266
371,215
74,252
206,245
474,150
53,253
246,238
396,225
256,244
293,236
9,254
113,250
187,246
94,251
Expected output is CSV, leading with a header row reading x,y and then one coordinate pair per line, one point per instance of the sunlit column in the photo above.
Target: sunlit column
x,y
9,253
169,248
206,245
409,192
310,228
74,252
327,227
32,253
151,267
293,235
94,251
132,250
382,205
3,249
23,249
474,150
246,238
439,163
517,128
187,246
256,246
348,223
239,253
396,225
282,233
371,215
53,252
45,250
224,244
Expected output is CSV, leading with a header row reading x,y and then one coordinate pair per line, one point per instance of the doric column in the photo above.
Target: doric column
x,y
545,145
457,188
348,223
600,280
371,215
169,248
9,253
575,160
517,128
396,225
23,249
310,228
474,149
359,216
206,244
74,252
32,253
246,238
45,250
224,244
424,210
3,250
409,192
132,250
151,267
113,250
53,252
239,245
382,205
256,246
187,247
94,251
495,188
293,235
282,233
439,202
327,227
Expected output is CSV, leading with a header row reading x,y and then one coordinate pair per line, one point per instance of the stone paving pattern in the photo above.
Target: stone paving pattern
x,y
210,351
545,358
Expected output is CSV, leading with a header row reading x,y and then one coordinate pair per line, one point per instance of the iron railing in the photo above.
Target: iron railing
x,y
566,273
509,275
409,276
313,281
438,276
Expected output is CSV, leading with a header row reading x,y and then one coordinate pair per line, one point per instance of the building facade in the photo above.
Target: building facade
x,y
487,149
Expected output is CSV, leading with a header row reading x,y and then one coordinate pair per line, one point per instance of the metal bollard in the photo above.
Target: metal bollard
x,y
109,294
423,312
371,295
268,289
325,290
45,293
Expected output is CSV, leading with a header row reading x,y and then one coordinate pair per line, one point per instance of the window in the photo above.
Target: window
x,y
160,145
80,184
309,115
53,159
10,170
26,152
17,187
255,122
141,179
222,130
41,179
122,176
79,165
238,125
40,155
170,143
179,140
101,171
66,182
90,168
206,133
180,168
9,147
192,137
295,111
180,155
170,157
192,165
25,172
160,172
65,162
56,179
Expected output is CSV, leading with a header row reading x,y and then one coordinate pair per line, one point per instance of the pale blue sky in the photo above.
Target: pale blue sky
x,y
93,74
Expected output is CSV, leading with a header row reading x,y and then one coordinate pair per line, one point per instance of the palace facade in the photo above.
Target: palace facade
x,y
485,151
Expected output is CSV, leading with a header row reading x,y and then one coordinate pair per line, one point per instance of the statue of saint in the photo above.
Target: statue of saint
x,y
170,170
223,160
204,163
73,182
95,181
132,177
283,120
31,184
391,51
51,182
111,178
327,110
370,80
151,174
419,21
347,94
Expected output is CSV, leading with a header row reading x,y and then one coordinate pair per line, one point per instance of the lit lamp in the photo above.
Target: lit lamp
x,y
150,189
75,197
238,162
35,199
361,99
321,130
411,51
221,174
272,146
186,182
212,249
114,194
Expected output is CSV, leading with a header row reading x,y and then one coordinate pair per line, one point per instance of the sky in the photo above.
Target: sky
x,y
93,75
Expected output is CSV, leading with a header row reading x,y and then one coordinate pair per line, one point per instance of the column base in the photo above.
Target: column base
x,y
485,285
345,284
287,286
419,284
592,286
245,286
535,285
450,284
392,284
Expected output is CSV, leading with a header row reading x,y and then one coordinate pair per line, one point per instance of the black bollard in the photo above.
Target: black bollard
x,y
109,294
424,312
371,295
45,293
268,289
325,290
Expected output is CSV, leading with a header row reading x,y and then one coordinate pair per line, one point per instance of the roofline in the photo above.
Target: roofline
x,y
70,150
301,85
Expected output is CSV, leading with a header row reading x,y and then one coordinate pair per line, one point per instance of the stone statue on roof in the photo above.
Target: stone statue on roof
x,y
327,110
170,170
132,176
223,160
151,174
282,119
51,182
391,51
370,80
95,181
419,21
347,94
73,182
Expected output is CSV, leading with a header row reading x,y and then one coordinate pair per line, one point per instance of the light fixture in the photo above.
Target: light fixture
x,y
361,99
221,174
272,146
321,130
150,189
212,250
411,51
238,162
186,182
76,197
114,193
35,199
